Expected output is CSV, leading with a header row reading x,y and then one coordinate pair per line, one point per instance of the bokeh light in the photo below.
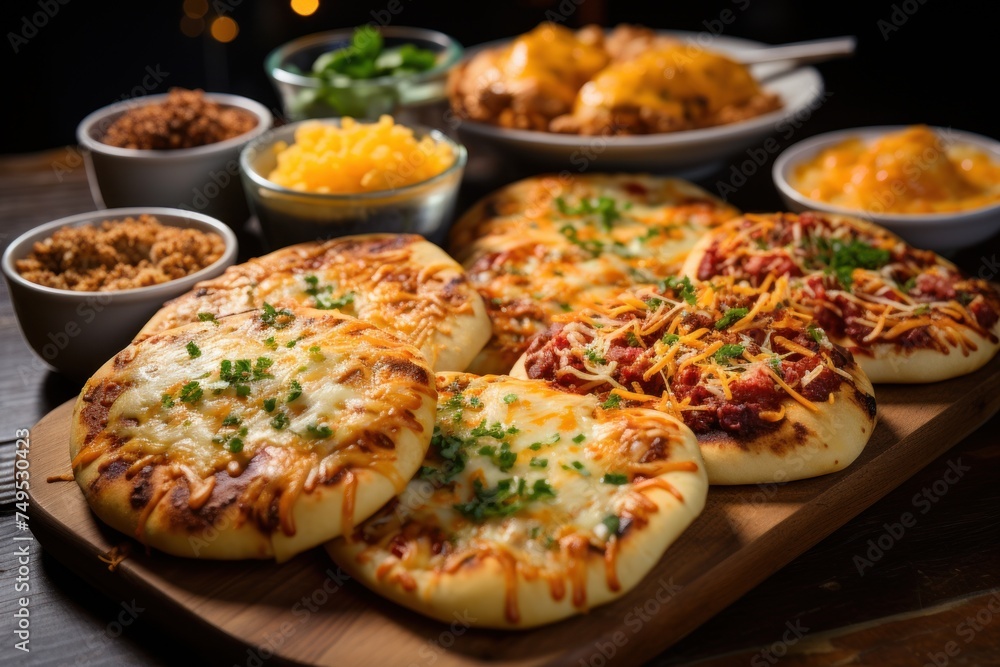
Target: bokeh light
x,y
195,9
305,7
225,29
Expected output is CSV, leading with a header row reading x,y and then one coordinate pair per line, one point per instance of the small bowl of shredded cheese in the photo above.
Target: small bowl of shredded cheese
x,y
333,177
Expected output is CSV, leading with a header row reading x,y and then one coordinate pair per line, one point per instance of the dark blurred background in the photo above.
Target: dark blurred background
x,y
938,67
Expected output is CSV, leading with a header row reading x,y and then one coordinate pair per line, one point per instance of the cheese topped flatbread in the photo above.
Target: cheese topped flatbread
x,y
398,282
908,315
252,436
532,505
552,244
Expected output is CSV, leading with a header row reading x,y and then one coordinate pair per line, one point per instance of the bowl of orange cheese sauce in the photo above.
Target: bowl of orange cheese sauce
x,y
939,188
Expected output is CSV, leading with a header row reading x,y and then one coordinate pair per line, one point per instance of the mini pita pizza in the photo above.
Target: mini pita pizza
x,y
769,396
533,505
551,244
907,315
256,435
399,282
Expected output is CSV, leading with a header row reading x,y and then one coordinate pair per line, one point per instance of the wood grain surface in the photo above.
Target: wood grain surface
x,y
744,535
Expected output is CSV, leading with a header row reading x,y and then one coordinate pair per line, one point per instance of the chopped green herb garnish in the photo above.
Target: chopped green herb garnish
x,y
167,401
632,339
510,398
815,332
292,342
295,392
231,420
842,258
576,466
269,404
922,309
235,445
614,478
260,368
682,287
279,319
207,317
592,246
508,497
538,463
593,355
193,350
613,401
270,342
775,363
612,523
727,352
320,431
670,338
191,392
605,208
730,317
279,421
475,402
579,438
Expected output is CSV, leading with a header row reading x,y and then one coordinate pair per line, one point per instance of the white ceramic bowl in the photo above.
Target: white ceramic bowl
x,y
204,179
75,332
687,152
942,232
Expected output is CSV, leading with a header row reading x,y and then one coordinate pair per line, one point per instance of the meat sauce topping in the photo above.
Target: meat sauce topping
x,y
808,246
776,342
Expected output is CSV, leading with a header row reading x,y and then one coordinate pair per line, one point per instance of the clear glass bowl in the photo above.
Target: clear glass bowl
x,y
288,216
413,99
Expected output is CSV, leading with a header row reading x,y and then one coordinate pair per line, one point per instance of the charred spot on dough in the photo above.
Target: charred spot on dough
x,y
453,290
367,440
404,368
142,489
98,400
108,472
866,402
336,478
801,432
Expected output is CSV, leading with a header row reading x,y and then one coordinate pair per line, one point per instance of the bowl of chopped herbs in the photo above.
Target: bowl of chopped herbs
x,y
364,73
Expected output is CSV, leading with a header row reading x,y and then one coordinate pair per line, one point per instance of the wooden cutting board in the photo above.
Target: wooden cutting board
x,y
305,612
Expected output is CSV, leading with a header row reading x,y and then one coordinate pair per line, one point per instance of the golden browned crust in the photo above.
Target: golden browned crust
x,y
530,260
329,426
399,282
618,487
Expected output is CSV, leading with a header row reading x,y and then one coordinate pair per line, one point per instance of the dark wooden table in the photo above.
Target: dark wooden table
x,y
930,596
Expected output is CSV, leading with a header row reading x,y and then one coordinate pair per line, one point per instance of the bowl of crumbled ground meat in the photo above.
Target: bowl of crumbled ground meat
x,y
178,150
83,286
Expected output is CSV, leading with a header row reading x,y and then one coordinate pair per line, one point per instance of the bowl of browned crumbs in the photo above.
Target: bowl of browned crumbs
x,y
179,150
83,286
